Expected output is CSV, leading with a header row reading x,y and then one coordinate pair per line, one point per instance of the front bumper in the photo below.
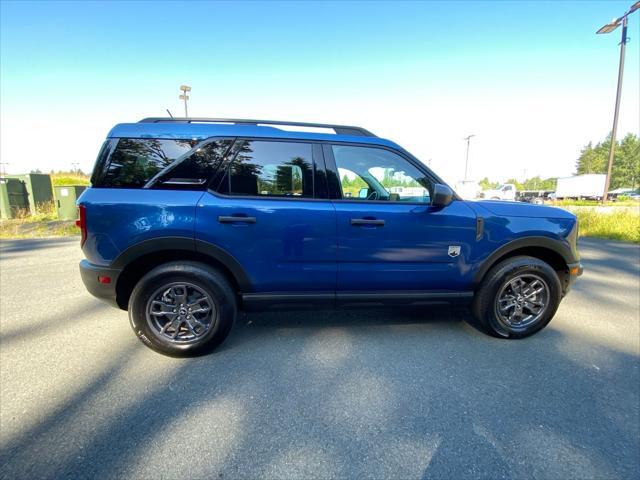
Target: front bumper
x,y
91,277
575,270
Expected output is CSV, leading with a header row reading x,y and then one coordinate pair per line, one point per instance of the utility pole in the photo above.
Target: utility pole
x,y
608,28
3,168
185,97
466,163
75,167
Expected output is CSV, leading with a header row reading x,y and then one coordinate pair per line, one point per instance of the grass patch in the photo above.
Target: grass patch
x,y
622,225
621,202
69,179
43,224
47,211
37,226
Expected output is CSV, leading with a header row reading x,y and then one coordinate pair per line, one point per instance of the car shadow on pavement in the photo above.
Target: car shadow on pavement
x,y
20,247
326,394
390,396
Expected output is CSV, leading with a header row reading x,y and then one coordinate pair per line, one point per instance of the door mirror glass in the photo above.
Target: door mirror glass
x,y
363,193
442,195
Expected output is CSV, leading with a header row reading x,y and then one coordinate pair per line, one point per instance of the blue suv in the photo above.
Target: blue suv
x,y
188,221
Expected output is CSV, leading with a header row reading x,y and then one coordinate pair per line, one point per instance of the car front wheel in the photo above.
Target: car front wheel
x,y
518,297
182,309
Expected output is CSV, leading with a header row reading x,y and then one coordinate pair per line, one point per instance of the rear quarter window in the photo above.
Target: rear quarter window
x,y
134,161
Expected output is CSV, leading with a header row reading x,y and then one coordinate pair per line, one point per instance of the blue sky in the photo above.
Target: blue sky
x,y
530,79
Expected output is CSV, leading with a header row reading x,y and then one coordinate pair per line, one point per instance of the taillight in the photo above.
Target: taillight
x,y
81,222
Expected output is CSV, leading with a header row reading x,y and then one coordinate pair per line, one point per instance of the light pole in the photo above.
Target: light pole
x,y
608,28
185,97
466,163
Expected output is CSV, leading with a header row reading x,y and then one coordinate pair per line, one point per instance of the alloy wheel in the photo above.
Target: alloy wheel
x,y
180,312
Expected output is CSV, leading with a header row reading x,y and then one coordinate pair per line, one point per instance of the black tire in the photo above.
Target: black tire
x,y
485,307
201,282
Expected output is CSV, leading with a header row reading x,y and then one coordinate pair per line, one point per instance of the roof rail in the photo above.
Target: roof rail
x,y
339,129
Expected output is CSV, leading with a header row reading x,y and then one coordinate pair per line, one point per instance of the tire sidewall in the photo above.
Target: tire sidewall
x,y
209,281
498,276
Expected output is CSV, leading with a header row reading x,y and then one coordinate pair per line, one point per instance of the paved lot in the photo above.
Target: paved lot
x,y
365,394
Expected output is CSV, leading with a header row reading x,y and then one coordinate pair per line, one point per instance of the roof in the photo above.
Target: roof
x,y
194,129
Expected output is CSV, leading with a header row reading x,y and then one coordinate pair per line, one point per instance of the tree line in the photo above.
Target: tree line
x,y
593,159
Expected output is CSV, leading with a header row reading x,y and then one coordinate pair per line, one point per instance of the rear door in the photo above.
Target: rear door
x,y
268,208
390,237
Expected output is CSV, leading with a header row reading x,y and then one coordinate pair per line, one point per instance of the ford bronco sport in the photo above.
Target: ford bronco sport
x,y
188,221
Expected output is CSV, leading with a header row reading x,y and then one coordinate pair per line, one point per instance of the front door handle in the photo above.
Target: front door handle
x,y
356,222
236,219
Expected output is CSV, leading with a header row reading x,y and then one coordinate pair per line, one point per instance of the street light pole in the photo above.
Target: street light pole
x,y
466,163
608,28
185,97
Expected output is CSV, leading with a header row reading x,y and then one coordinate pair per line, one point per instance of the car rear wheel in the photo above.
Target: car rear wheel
x,y
182,309
518,297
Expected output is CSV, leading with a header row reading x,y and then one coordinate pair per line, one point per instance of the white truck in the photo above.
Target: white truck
x,y
589,186
506,191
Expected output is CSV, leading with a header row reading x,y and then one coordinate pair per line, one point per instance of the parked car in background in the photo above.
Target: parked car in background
x,y
623,193
506,191
537,197
188,221
589,186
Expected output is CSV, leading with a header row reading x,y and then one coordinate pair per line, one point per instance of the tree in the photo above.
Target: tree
x,y
626,164
485,184
625,171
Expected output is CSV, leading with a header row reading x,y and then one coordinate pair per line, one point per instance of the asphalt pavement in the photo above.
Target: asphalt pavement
x,y
327,394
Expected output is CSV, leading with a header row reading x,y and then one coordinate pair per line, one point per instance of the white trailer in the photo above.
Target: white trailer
x,y
581,186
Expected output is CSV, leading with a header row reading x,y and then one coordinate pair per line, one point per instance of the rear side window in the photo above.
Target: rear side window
x,y
195,171
270,169
135,161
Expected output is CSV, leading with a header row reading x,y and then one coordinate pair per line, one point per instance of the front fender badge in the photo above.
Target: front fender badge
x,y
454,250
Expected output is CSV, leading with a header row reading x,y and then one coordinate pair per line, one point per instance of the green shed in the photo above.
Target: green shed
x,y
13,197
39,189
66,197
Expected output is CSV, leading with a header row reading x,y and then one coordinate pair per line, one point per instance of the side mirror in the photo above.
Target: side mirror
x,y
442,195
363,193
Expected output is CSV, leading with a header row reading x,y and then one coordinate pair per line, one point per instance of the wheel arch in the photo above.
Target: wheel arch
x,y
139,259
550,251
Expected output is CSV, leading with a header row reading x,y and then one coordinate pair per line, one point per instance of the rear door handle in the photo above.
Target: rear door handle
x,y
236,219
367,221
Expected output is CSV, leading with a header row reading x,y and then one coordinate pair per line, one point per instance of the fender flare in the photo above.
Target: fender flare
x,y
159,244
556,246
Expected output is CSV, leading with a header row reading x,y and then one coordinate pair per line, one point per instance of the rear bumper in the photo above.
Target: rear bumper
x,y
91,275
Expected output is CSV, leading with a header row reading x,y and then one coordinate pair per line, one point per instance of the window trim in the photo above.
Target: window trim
x,y
315,159
334,179
100,167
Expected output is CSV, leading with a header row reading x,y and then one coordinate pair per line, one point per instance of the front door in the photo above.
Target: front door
x,y
266,213
390,238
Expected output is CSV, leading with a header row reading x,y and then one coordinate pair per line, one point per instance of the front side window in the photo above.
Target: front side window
x,y
135,161
271,169
376,174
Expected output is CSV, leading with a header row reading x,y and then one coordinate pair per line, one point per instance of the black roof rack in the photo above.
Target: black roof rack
x,y
339,129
